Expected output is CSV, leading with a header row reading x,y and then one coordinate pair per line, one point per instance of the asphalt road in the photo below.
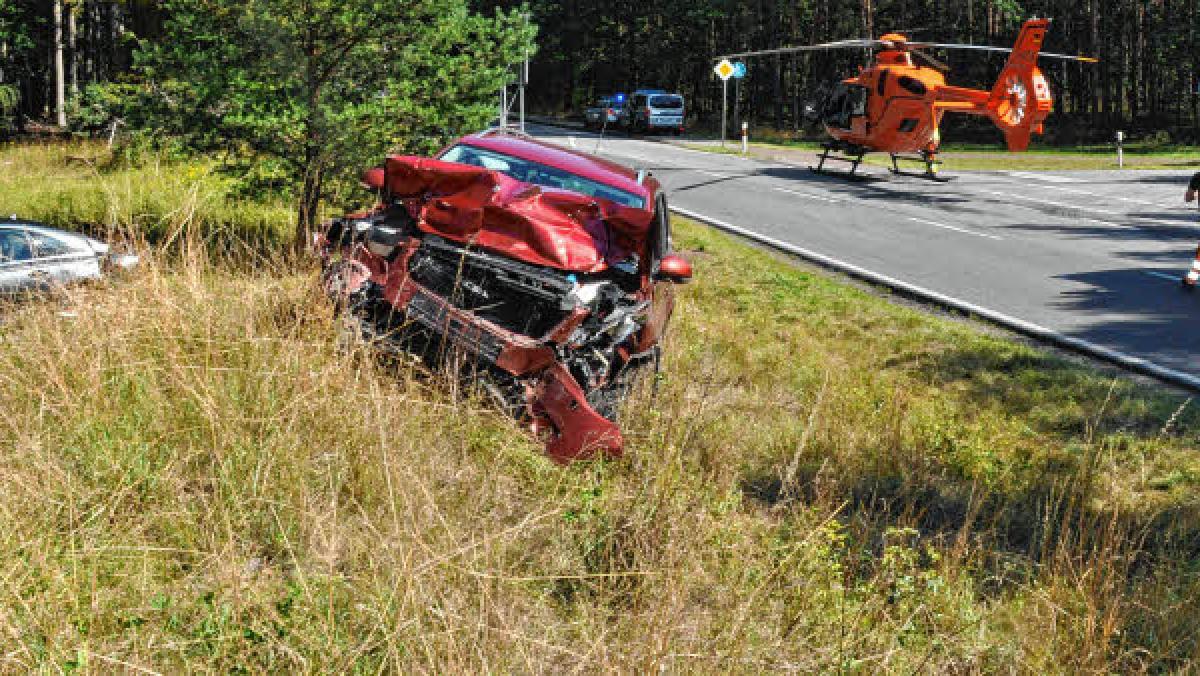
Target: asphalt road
x,y
1095,256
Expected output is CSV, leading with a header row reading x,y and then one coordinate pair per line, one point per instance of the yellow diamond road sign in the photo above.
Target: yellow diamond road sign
x,y
724,70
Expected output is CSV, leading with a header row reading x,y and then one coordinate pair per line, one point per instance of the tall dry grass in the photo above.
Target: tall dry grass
x,y
81,186
197,477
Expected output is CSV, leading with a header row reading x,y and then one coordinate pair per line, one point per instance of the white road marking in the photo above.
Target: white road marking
x,y
1051,202
712,173
1161,275
951,227
1127,361
1049,178
821,198
1089,193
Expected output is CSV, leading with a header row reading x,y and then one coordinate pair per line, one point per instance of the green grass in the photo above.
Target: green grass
x,y
198,478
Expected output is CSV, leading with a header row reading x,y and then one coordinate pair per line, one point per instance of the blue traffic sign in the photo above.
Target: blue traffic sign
x,y
739,69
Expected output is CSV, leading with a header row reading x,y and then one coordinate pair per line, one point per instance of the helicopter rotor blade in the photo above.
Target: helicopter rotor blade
x,y
861,43
840,44
986,48
935,63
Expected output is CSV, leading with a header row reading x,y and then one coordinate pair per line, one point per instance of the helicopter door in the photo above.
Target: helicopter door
x,y
845,105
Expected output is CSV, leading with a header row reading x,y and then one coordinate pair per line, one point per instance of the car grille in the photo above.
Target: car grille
x,y
432,314
522,298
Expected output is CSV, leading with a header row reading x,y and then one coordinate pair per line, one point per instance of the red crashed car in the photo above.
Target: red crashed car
x,y
543,273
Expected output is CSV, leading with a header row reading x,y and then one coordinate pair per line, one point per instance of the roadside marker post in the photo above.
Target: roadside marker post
x,y
1120,150
745,137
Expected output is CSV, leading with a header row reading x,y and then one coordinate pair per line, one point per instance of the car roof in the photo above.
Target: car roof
x,y
14,222
572,161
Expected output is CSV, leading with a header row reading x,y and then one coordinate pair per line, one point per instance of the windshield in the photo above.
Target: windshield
x,y
540,174
672,102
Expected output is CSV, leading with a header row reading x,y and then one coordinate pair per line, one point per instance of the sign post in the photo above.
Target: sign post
x,y
724,70
739,72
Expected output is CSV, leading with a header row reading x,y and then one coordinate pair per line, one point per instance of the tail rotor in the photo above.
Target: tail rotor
x,y
1021,101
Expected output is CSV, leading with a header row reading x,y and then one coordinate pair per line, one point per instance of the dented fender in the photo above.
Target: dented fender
x,y
576,430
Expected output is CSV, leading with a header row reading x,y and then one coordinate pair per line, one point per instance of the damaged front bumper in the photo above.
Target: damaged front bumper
x,y
405,300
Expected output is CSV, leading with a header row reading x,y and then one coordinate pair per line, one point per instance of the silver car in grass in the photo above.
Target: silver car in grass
x,y
34,257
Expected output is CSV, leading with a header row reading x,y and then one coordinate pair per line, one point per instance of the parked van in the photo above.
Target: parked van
x,y
651,110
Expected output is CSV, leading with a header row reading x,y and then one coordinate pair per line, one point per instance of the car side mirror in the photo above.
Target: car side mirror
x,y
374,178
675,268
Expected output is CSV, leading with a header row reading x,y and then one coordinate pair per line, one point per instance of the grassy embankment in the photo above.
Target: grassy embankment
x,y
197,477
62,184
984,157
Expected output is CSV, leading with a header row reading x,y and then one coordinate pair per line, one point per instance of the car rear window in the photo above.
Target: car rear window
x,y
672,102
540,174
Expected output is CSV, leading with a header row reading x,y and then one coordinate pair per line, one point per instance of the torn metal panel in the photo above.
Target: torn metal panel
x,y
540,225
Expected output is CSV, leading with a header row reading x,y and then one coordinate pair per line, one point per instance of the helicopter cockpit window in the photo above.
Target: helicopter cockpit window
x,y
857,98
913,85
844,103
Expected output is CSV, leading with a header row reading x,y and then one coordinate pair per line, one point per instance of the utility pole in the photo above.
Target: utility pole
x,y
521,92
504,102
524,79
60,104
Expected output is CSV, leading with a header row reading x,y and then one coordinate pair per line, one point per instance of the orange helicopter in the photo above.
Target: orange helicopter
x,y
895,104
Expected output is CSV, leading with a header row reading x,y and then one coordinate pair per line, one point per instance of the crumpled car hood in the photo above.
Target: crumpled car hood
x,y
539,225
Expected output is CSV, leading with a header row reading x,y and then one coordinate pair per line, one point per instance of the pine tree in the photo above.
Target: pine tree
x,y
317,88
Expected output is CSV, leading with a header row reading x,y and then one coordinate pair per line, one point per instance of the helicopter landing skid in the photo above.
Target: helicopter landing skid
x,y
841,154
931,162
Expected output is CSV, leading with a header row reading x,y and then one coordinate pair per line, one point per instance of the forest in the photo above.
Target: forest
x,y
1147,81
